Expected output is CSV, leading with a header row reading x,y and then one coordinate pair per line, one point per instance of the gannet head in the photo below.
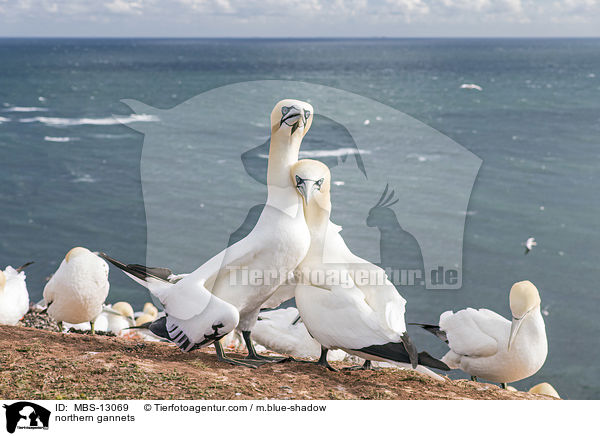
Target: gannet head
x,y
75,252
150,309
544,389
2,280
312,179
524,298
124,309
144,318
291,118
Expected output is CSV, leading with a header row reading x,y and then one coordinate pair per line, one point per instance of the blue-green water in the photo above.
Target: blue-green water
x,y
70,175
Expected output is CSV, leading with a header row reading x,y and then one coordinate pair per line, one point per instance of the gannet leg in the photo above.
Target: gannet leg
x,y
222,358
503,385
367,366
92,330
253,355
473,378
60,326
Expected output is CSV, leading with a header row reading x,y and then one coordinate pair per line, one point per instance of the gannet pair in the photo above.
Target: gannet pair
x,y
205,305
347,302
485,344
14,299
76,292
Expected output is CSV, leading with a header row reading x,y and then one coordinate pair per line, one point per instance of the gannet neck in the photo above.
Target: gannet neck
x,y
283,153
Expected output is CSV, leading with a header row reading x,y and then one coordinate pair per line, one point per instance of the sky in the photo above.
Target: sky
x,y
300,18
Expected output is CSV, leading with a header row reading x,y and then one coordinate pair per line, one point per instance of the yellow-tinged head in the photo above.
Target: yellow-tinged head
x,y
544,389
151,309
312,179
2,280
144,318
524,298
291,117
123,308
75,252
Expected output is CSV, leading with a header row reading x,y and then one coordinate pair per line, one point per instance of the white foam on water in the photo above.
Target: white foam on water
x,y
108,121
59,139
339,152
4,120
25,109
85,178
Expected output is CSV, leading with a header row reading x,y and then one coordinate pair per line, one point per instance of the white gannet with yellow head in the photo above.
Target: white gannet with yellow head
x,y
77,290
485,344
344,301
14,299
278,243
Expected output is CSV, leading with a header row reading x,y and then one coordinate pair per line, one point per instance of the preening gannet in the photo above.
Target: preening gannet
x,y
14,299
113,318
77,290
278,243
345,301
485,344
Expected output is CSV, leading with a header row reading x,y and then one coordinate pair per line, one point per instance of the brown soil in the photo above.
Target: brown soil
x,y
39,364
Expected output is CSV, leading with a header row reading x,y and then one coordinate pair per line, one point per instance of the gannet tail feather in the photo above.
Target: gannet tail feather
x,y
396,351
22,267
433,329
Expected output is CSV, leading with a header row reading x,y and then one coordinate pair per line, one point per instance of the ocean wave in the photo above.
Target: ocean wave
x,y
108,121
24,109
85,178
338,152
59,139
4,120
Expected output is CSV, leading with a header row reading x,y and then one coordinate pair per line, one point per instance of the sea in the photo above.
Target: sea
x,y
72,162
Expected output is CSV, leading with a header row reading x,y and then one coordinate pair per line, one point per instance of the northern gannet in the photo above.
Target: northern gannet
x,y
14,299
529,244
278,243
347,302
544,389
77,290
113,319
485,344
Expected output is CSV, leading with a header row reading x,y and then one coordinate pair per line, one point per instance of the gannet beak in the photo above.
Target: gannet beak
x,y
307,189
291,116
514,329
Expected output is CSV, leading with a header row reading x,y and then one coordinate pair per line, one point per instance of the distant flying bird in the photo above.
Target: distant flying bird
x,y
14,299
364,319
485,344
77,290
471,86
529,245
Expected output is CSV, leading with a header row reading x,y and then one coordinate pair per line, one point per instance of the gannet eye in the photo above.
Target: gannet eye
x,y
318,183
285,110
299,181
306,115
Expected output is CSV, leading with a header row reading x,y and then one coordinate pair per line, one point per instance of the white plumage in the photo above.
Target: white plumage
x,y
484,344
283,331
77,290
358,310
14,299
278,242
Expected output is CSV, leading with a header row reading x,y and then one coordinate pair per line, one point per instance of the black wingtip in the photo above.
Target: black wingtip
x,y
22,267
433,329
159,328
413,354
140,271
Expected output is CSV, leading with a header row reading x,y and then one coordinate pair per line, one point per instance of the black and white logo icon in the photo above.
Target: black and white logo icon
x,y
26,415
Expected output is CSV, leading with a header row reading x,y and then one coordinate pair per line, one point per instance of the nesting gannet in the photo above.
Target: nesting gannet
x,y
14,299
485,344
337,297
77,290
544,389
529,244
278,243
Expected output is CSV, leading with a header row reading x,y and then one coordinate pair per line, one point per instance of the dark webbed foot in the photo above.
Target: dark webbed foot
x,y
236,362
473,378
321,362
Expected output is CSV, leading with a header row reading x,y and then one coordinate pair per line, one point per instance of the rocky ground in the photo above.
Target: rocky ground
x,y
42,364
